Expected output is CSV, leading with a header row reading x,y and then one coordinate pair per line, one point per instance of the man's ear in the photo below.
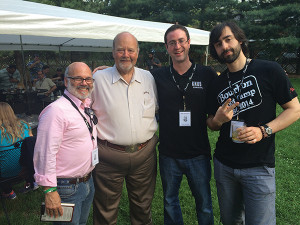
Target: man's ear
x,y
66,82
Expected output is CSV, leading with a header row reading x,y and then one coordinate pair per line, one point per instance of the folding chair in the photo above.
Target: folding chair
x,y
10,168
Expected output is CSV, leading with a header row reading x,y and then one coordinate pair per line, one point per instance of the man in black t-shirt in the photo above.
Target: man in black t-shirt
x,y
184,147
247,93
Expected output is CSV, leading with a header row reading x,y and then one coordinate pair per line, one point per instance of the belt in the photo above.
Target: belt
x,y
78,180
129,148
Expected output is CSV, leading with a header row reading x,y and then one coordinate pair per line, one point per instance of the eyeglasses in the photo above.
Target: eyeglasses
x,y
91,114
88,80
180,42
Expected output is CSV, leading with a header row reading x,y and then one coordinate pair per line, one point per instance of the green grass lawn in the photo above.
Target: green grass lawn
x,y
25,209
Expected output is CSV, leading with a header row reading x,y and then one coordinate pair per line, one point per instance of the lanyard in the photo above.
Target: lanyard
x,y
90,127
237,97
186,86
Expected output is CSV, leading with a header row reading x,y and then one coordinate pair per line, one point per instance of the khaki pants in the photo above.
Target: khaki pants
x,y
139,170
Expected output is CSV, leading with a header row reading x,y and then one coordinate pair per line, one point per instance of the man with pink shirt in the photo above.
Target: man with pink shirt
x,y
66,147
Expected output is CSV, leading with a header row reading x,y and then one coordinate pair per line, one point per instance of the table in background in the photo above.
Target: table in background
x,y
32,120
22,101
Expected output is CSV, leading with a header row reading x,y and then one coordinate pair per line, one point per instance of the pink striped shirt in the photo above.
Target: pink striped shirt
x,y
64,146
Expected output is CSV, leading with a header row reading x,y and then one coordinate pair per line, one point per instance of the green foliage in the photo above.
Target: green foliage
x,y
289,40
277,24
287,170
95,6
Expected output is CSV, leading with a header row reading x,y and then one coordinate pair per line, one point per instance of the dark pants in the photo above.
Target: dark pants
x,y
6,188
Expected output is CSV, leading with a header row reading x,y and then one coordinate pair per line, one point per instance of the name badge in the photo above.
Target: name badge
x,y
95,159
185,118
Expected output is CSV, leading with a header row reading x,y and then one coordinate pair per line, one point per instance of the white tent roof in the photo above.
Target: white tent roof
x,y
45,27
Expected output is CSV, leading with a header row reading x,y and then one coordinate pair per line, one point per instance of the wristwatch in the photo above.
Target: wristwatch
x,y
268,130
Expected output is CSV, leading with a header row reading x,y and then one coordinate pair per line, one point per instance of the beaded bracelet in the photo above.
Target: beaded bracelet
x,y
50,190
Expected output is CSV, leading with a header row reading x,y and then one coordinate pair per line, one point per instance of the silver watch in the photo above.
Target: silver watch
x,y
268,130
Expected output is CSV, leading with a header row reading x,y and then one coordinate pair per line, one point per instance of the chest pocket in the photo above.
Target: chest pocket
x,y
148,105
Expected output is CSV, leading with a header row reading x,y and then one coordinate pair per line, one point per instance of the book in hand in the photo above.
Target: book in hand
x,y
68,209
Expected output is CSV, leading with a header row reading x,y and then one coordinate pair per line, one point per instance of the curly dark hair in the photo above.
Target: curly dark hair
x,y
237,32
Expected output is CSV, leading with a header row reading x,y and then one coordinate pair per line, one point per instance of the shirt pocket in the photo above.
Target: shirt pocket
x,y
148,105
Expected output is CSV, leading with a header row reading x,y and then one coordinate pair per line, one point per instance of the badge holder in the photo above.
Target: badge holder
x,y
235,124
95,157
184,118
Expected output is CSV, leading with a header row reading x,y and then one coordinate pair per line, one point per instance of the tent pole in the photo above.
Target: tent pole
x,y
59,56
24,67
206,55
27,101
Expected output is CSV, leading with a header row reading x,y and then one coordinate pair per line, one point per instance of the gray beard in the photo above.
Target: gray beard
x,y
73,91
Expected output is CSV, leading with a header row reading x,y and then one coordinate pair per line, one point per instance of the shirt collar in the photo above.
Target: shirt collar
x,y
116,76
78,102
187,73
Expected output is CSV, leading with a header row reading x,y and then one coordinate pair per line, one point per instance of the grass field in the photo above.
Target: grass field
x,y
25,209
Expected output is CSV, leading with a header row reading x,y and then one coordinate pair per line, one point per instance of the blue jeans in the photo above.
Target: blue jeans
x,y
198,173
246,196
81,194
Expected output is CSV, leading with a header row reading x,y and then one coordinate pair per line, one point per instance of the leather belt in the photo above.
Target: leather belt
x,y
129,148
78,180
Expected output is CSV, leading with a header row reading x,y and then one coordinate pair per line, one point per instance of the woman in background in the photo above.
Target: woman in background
x,y
12,130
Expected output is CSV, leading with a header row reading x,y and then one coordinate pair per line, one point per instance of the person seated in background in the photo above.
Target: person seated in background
x,y
58,78
9,77
12,130
44,86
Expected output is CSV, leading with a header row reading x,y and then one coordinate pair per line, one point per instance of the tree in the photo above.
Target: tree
x,y
277,24
274,25
95,6
272,22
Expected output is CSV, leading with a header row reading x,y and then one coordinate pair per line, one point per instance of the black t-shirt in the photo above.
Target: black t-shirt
x,y
183,142
265,84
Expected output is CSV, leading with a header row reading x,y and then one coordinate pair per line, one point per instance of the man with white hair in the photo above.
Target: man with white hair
x,y
124,100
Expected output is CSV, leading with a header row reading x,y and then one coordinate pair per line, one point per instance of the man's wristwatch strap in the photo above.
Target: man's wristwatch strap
x,y
268,130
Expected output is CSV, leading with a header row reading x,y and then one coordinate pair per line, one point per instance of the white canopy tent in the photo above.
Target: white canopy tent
x,y
33,26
